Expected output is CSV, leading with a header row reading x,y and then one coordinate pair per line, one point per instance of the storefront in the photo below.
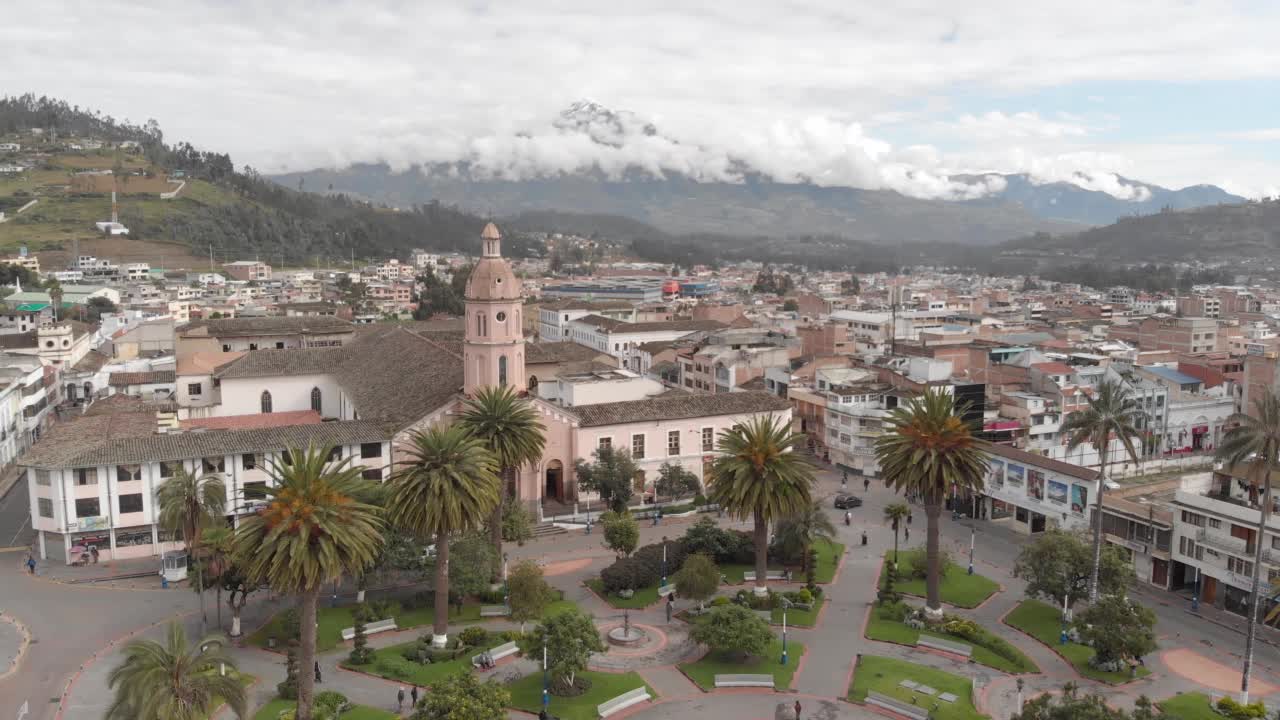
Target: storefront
x,y
1033,493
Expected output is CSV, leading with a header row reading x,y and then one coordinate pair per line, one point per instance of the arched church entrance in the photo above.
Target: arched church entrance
x,y
554,487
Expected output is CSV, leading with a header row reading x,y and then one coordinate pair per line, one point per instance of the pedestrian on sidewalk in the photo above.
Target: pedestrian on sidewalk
x,y
31,564
864,538
318,672
400,699
866,484
797,710
906,536
413,696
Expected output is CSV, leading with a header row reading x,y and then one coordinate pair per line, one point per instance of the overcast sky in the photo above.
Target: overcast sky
x,y
872,94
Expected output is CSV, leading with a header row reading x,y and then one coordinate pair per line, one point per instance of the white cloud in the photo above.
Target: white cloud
x,y
295,84
1259,135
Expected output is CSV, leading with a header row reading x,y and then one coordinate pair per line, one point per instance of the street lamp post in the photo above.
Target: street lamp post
x,y
506,588
972,535
785,605
546,692
664,559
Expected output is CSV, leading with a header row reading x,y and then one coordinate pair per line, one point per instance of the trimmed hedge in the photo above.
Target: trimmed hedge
x,y
643,568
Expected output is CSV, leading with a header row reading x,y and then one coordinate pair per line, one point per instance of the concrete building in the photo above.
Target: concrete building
x,y
632,289
248,270
555,316
617,337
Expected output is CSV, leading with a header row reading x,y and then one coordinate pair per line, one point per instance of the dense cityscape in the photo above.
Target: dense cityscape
x,y
632,414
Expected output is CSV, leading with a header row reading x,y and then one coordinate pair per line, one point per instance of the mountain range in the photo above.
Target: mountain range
x,y
620,173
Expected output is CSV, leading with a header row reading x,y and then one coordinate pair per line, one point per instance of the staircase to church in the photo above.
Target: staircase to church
x,y
547,530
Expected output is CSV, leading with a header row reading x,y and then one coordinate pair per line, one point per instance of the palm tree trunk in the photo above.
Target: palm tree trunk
x,y
1255,597
307,652
895,545
204,616
933,595
762,554
495,527
1097,528
440,624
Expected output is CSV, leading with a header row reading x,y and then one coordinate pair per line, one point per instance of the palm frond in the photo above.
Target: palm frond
x,y
758,474
448,483
929,448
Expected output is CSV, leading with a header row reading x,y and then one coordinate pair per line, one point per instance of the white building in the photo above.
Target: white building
x,y
617,337
555,316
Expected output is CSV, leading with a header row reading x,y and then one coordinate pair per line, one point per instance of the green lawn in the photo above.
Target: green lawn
x,y
884,630
389,663
526,694
799,618
1189,706
829,554
644,597
271,711
883,674
958,587
704,671
1044,623
332,621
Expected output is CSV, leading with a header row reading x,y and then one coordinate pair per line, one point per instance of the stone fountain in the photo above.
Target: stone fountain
x,y
626,635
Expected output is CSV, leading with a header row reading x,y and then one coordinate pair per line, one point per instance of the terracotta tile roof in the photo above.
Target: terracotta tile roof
x,y
255,326
206,363
1041,461
678,407
154,377
92,362
292,361
556,352
248,422
129,436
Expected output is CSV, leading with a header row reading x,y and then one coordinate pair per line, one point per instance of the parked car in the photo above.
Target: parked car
x,y
844,501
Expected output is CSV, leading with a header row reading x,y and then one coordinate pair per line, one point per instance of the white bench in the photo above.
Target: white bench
x,y
503,650
623,701
750,575
494,611
372,628
897,707
744,681
947,646
666,590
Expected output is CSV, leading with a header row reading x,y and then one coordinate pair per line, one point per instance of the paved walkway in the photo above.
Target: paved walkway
x,y
70,618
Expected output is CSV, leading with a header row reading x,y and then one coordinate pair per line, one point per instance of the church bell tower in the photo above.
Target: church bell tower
x,y
493,353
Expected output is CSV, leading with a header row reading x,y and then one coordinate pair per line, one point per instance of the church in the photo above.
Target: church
x,y
93,478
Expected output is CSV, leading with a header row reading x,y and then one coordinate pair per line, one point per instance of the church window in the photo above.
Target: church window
x,y
266,401
316,398
533,384
502,370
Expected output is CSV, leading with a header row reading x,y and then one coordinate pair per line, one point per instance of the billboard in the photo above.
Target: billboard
x,y
1015,475
1057,492
1079,499
1035,484
997,474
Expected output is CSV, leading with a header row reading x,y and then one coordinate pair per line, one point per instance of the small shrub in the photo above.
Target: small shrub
x,y
720,600
895,611
390,670
381,609
492,596
699,500
804,596
1235,711
330,702
918,564
473,636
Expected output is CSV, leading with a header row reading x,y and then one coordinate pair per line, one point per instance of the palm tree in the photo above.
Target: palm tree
x,y
174,680
1111,412
758,475
1254,443
313,529
894,514
218,544
55,298
189,504
927,450
447,485
509,426
801,531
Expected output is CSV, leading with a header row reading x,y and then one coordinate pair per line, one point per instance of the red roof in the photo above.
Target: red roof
x,y
251,422
1054,368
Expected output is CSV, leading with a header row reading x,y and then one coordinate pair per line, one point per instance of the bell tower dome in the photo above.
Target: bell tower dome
x,y
493,353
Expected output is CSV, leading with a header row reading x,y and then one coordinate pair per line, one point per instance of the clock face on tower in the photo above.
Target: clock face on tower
x,y
502,317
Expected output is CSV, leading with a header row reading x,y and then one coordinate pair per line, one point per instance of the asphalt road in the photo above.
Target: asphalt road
x,y
15,518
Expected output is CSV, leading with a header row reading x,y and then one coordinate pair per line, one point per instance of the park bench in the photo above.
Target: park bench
x,y
623,701
744,681
372,628
750,575
502,651
897,707
494,611
946,646
666,590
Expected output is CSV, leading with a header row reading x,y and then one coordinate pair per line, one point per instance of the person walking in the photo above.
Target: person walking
x,y
318,680
864,537
906,535
866,484
31,565
797,710
400,699
413,697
